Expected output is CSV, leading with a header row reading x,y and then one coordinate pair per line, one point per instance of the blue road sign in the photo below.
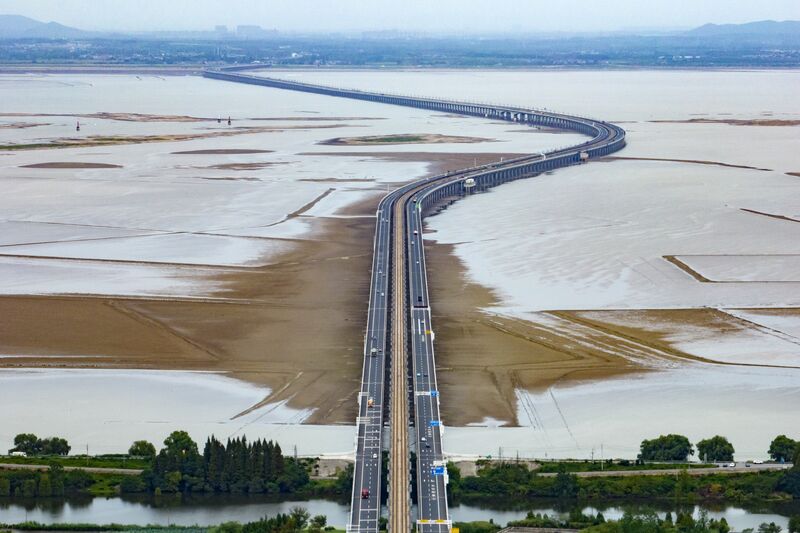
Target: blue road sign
x,y
437,470
435,423
434,393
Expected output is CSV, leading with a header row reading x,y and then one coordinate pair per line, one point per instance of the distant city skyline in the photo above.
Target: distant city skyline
x,y
446,16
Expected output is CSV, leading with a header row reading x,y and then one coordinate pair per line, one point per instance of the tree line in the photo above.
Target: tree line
x,y
673,447
53,482
30,444
670,447
237,466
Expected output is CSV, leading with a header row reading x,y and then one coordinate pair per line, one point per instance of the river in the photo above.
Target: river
x,y
209,510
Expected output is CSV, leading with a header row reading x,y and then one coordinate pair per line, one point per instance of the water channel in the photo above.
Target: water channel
x,y
214,509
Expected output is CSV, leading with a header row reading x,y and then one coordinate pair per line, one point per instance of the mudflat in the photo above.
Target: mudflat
x,y
70,164
295,325
483,358
403,138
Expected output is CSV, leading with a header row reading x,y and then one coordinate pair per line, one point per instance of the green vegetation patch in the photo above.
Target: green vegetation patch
x,y
611,466
516,480
81,461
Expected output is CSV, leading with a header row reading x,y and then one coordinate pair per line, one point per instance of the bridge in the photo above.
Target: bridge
x,y
399,370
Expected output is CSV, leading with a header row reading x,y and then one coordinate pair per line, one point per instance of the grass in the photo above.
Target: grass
x,y
392,139
105,484
597,466
89,141
80,461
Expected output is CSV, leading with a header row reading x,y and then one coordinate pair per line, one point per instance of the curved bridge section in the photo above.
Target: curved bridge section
x,y
399,337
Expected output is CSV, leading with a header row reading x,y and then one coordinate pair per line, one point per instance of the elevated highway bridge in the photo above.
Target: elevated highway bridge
x,y
399,369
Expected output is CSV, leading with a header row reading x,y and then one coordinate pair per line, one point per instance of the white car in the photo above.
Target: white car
x,y
758,462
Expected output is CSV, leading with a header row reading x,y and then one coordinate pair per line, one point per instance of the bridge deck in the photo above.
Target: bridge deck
x,y
405,263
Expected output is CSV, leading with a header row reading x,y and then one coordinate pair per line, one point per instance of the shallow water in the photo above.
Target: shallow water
x,y
83,407
594,237
610,215
48,212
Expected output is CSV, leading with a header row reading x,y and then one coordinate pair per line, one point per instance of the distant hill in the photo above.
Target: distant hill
x,y
763,28
19,27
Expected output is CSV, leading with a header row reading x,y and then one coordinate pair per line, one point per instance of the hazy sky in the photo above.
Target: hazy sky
x,y
413,15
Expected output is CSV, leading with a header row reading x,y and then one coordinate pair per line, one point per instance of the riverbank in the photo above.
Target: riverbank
x,y
697,485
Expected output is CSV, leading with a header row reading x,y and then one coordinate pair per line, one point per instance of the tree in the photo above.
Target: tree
x,y
5,486
227,527
131,484
794,524
238,466
318,523
666,448
716,448
782,448
55,446
142,448
790,482
684,522
30,444
772,527
179,445
300,516
477,527
29,488
45,487
77,480
56,473
27,443
344,480
566,485
646,522
721,525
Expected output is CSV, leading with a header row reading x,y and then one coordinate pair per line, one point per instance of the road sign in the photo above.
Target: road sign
x,y
434,393
435,423
437,470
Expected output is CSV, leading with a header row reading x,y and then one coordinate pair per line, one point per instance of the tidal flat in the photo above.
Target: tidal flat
x,y
242,256
562,326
